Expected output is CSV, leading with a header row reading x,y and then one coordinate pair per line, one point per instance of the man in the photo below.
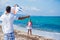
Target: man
x,y
7,26
7,23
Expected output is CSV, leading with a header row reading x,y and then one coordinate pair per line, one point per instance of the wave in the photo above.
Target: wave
x,y
53,35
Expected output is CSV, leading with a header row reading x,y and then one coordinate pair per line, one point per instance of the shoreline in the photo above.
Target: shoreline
x,y
21,35
51,35
36,29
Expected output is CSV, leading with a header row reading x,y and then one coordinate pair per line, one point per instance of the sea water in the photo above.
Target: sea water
x,y
47,26
44,23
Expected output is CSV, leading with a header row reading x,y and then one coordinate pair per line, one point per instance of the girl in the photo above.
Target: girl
x,y
29,27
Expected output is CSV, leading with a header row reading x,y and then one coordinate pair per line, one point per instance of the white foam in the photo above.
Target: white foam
x,y
55,36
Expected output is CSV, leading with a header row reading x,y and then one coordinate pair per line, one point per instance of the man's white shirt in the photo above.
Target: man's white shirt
x,y
7,22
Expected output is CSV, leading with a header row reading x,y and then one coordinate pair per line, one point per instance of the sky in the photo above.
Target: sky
x,y
35,7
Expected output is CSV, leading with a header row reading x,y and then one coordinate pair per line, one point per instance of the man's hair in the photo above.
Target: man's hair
x,y
8,9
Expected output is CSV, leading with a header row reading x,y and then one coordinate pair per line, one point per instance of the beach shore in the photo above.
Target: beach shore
x,y
20,35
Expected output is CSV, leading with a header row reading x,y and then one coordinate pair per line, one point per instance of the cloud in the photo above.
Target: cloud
x,y
35,9
28,8
52,11
3,2
32,0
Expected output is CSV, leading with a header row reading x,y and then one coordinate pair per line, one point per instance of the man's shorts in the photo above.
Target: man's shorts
x,y
9,36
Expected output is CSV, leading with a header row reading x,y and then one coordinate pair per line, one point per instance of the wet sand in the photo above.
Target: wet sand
x,y
20,35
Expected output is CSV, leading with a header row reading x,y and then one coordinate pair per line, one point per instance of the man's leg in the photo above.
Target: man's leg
x,y
11,36
5,36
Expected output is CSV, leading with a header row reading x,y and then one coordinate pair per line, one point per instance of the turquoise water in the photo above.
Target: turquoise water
x,y
44,23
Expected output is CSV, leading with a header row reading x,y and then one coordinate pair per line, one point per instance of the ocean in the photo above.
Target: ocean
x,y
46,26
44,23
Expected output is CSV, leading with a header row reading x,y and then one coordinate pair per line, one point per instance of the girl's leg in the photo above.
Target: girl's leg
x,y
30,32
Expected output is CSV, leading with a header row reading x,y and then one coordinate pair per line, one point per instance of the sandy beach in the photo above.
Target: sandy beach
x,y
20,35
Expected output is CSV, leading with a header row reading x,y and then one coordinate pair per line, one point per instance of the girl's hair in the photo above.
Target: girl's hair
x,y
30,20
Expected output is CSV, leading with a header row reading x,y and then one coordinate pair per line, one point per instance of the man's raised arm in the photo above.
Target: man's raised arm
x,y
21,18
